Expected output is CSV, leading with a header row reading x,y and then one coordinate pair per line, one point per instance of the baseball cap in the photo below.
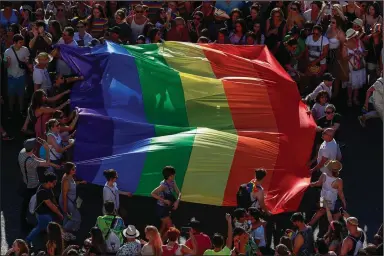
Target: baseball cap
x,y
30,144
328,77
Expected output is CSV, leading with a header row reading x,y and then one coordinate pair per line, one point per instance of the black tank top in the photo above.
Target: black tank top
x,y
357,243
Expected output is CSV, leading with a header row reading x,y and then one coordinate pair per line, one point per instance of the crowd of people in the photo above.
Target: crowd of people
x,y
324,46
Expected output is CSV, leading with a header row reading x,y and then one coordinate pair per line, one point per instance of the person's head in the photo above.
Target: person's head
x,y
54,27
256,27
297,219
173,234
295,8
20,247
328,79
240,236
60,10
161,14
260,174
287,242
52,126
357,25
377,239
255,10
291,45
154,35
97,11
97,236
198,18
110,175
240,214
131,233
316,5
322,97
40,26
119,16
154,239
109,207
250,38
39,97
39,14
203,40
321,246
328,134
69,168
18,41
335,23
140,39
330,111
352,224
43,59
13,29
217,241
147,27
169,173
374,9
282,250
114,32
317,31
240,26
337,10
254,213
68,34
179,23
26,12
221,35
371,249
139,10
195,225
277,15
59,79
49,179
55,233
30,145
336,230
173,6
235,15
334,167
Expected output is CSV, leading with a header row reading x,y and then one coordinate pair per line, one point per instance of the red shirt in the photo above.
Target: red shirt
x,y
173,35
203,243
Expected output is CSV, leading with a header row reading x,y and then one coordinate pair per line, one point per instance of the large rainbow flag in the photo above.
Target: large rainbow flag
x,y
214,112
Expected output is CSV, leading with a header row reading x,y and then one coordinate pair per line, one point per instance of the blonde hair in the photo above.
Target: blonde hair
x,y
339,10
155,240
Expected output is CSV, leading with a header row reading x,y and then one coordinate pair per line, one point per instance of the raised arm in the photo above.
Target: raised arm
x,y
229,230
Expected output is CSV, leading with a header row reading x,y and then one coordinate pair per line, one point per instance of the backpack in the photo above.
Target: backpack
x,y
111,239
243,195
33,203
170,251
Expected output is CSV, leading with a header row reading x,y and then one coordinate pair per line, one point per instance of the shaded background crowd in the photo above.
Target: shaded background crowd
x,y
324,46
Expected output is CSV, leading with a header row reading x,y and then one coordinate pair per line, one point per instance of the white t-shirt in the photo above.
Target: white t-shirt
x,y
41,76
87,38
258,234
329,150
111,194
315,49
22,54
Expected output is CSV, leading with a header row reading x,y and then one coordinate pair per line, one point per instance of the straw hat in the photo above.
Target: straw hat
x,y
353,221
131,232
351,33
43,57
334,166
358,22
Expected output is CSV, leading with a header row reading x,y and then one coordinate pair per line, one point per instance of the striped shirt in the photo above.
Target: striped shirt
x,y
98,26
31,164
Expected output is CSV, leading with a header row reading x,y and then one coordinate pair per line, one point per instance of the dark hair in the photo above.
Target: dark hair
x,y
49,177
297,216
242,24
224,31
7,4
56,27
15,28
331,106
260,174
91,17
147,28
152,34
292,41
321,246
282,249
298,5
98,241
200,14
70,31
73,252
140,37
22,246
168,171
55,235
277,9
217,240
238,231
68,167
51,123
286,241
336,231
40,23
318,27
321,94
203,40
57,114
255,7
250,34
239,213
17,38
254,212
318,3
110,174
109,206
236,10
204,32
376,7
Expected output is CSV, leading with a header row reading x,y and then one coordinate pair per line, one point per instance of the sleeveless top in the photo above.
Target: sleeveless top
x,y
351,16
169,191
357,243
136,29
4,22
280,29
327,191
307,248
71,193
53,154
334,43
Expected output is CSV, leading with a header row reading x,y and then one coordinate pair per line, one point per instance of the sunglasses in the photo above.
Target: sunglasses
x,y
328,112
315,34
60,10
294,9
139,11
